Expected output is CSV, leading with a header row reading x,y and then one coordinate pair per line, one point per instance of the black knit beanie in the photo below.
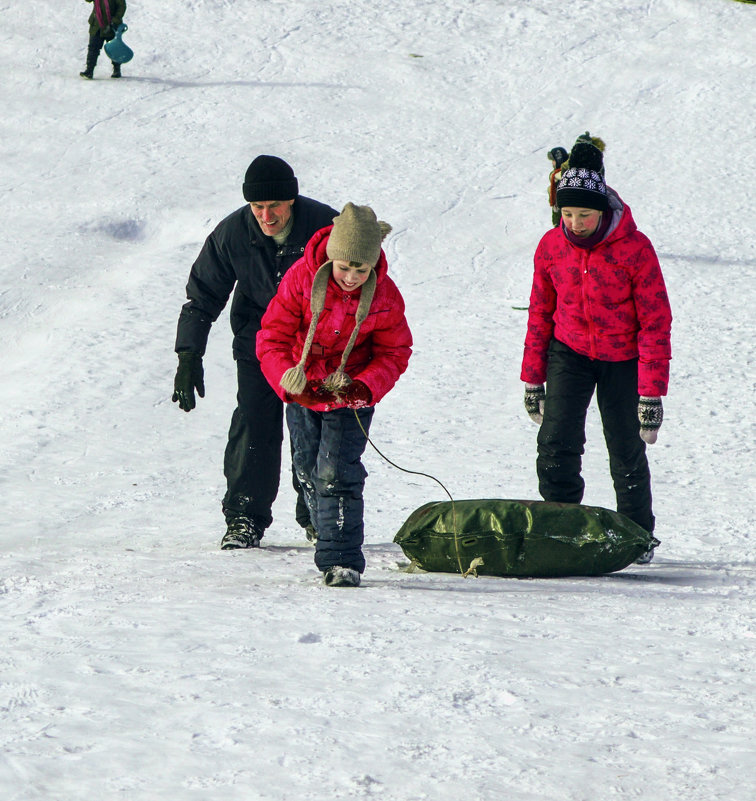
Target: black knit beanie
x,y
582,188
269,178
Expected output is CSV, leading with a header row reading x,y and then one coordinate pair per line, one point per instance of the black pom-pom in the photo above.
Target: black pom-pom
x,y
588,156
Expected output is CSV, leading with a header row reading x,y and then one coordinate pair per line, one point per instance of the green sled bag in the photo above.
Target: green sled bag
x,y
520,538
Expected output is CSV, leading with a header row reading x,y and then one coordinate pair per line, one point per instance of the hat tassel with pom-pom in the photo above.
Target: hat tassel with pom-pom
x,y
294,379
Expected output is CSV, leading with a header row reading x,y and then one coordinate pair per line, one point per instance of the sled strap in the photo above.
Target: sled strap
x,y
472,570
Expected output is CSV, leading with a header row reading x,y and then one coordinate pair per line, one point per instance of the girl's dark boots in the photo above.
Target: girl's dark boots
x,y
88,73
92,55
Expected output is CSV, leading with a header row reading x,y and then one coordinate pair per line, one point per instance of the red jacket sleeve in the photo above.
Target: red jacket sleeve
x,y
654,323
391,344
540,321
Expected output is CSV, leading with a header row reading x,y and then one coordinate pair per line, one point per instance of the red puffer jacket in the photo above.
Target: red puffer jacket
x,y
608,302
384,343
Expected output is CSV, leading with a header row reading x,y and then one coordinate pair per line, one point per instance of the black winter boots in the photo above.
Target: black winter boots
x,y
88,73
241,533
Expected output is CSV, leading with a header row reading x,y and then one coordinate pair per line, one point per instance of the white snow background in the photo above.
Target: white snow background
x,y
140,662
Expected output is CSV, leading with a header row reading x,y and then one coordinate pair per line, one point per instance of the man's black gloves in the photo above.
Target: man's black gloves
x,y
189,376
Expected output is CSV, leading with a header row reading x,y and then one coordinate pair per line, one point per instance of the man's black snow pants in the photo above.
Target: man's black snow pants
x,y
570,382
252,463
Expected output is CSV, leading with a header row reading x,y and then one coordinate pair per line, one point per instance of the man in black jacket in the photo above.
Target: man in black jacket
x,y
248,254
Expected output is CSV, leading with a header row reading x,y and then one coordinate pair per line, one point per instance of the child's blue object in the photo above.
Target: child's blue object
x,y
116,49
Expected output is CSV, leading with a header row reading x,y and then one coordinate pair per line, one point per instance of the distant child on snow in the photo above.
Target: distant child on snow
x,y
599,319
104,20
334,340
557,156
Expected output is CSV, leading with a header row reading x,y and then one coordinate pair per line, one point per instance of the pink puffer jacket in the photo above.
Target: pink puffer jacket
x,y
608,302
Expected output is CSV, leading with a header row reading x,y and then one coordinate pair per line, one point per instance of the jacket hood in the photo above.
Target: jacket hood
x,y
622,224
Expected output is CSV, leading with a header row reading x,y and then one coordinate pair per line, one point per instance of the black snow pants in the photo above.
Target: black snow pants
x,y
96,42
327,450
570,382
252,463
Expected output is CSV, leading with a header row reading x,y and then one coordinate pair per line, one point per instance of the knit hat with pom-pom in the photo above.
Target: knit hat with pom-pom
x,y
356,236
582,184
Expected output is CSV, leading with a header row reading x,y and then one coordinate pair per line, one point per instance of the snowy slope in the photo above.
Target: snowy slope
x,y
140,661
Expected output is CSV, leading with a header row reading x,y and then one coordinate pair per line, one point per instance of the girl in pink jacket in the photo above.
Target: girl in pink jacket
x,y
334,340
599,320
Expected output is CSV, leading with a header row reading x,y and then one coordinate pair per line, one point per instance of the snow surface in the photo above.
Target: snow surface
x,y
139,661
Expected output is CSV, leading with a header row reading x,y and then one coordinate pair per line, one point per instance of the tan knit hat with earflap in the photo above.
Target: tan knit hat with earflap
x,y
356,236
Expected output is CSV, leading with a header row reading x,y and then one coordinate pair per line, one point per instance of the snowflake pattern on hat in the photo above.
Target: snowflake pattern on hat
x,y
582,178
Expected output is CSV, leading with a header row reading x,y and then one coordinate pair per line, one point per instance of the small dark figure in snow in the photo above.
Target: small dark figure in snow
x,y
248,254
557,156
104,20
599,320
333,342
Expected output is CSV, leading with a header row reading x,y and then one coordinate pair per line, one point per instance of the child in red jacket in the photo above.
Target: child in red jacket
x,y
599,320
334,340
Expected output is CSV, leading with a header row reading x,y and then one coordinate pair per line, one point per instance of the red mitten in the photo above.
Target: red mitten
x,y
357,395
314,394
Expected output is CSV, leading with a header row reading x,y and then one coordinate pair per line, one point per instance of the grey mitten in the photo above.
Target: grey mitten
x,y
650,414
535,400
